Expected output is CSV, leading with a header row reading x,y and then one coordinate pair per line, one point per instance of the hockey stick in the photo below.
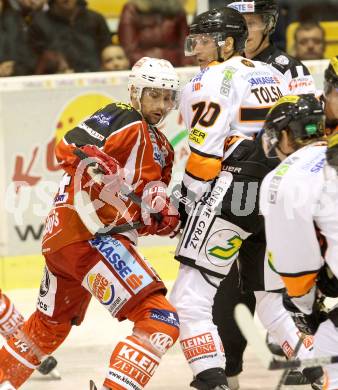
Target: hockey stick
x,y
249,330
88,213
295,352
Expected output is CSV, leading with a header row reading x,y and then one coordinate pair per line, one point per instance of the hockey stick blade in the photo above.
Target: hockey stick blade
x,y
249,330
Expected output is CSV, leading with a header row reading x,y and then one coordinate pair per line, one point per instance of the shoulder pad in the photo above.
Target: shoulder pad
x,y
283,62
114,116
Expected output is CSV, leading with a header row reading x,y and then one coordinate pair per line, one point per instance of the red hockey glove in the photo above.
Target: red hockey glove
x,y
98,170
158,214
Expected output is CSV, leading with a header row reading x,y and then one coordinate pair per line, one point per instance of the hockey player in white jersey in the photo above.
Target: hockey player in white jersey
x,y
299,201
222,105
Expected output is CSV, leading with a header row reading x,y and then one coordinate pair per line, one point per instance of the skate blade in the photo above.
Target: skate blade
x,y
55,375
92,385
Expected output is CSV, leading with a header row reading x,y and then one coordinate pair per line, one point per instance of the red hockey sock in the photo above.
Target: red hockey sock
x,y
10,318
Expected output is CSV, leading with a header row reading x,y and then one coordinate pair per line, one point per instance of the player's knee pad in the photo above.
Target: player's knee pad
x,y
10,318
158,341
156,324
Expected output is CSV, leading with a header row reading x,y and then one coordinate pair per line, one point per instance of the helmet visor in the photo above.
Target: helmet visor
x,y
165,99
269,143
195,43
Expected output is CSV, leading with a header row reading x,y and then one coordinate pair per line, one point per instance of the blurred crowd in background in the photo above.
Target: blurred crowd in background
x,y
65,36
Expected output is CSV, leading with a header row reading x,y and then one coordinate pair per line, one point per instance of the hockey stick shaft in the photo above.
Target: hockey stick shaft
x,y
125,189
248,328
286,372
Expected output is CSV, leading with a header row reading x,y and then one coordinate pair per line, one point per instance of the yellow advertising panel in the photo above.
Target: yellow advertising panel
x,y
112,9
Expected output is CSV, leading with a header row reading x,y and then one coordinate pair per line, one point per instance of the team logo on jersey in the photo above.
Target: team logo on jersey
x,y
101,288
226,252
248,63
197,136
283,60
219,254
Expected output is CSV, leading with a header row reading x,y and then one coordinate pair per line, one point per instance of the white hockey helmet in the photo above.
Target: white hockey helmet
x,y
153,73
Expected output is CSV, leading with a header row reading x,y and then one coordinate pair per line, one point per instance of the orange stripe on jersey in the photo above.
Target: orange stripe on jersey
x,y
299,285
231,140
205,168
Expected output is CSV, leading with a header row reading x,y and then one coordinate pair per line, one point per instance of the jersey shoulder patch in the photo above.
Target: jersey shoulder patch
x,y
99,126
283,62
114,116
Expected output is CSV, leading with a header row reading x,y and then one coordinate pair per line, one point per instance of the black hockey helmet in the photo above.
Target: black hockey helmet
x,y
302,116
219,23
331,75
267,8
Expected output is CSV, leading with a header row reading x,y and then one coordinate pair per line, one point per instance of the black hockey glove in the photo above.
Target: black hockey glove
x,y
306,323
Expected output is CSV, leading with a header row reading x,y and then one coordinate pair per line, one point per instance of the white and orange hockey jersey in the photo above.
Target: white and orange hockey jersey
x,y
298,197
221,102
142,151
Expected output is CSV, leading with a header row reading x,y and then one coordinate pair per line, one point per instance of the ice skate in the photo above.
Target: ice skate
x,y
92,385
47,367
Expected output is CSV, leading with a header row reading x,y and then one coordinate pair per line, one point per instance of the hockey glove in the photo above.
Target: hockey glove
x,y
306,323
98,170
327,282
158,214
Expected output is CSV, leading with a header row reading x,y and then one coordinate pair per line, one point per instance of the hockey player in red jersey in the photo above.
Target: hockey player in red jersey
x,y
120,139
11,321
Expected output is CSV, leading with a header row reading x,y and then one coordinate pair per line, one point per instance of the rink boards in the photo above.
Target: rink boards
x,y
26,271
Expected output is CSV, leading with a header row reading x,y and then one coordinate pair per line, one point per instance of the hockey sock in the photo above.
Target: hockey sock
x,y
10,318
131,366
278,322
17,362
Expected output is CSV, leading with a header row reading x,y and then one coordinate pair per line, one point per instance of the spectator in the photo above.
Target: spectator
x,y
70,28
113,57
52,62
14,53
154,29
309,41
27,8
